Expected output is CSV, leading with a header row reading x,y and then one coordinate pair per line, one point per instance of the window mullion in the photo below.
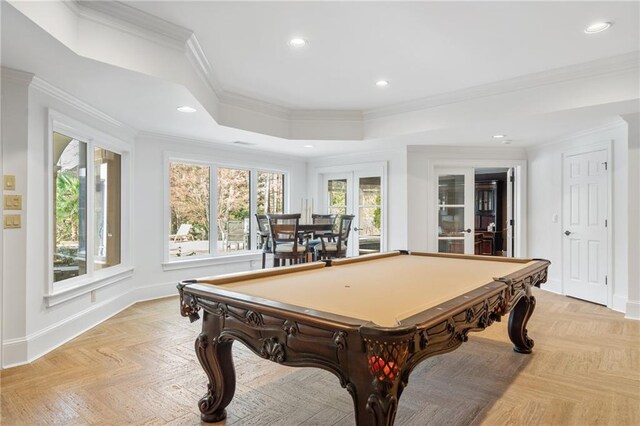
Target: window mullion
x,y
90,209
213,210
253,206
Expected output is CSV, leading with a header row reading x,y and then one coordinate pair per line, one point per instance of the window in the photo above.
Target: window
x,y
189,203
270,193
235,196
87,208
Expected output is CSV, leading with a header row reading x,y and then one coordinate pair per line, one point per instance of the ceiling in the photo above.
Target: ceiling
x,y
423,49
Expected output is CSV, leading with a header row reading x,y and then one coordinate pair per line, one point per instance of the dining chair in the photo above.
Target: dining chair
x,y
264,241
284,239
334,245
320,219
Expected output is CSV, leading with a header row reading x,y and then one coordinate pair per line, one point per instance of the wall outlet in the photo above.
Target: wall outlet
x,y
12,202
9,183
12,221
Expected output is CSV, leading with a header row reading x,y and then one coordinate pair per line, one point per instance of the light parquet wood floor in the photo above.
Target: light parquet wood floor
x,y
139,367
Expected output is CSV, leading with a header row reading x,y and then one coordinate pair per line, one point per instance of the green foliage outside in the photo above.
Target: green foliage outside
x,y
377,214
67,207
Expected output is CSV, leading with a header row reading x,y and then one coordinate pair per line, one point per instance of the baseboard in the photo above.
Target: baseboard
x,y
619,303
25,350
633,310
154,291
14,352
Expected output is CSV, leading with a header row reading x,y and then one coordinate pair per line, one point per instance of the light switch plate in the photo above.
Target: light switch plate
x,y
9,183
12,202
12,221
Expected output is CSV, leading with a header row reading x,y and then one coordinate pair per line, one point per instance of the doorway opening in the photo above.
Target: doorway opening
x,y
493,212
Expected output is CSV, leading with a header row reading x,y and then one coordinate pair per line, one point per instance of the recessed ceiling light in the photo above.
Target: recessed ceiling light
x,y
382,83
308,146
185,108
506,142
598,27
498,136
298,42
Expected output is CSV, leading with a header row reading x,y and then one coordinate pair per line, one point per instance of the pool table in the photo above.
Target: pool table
x,y
370,320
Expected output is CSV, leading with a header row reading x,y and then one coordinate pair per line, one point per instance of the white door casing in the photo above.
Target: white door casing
x,y
585,248
510,210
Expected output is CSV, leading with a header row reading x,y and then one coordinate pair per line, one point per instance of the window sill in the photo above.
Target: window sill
x,y
211,261
114,275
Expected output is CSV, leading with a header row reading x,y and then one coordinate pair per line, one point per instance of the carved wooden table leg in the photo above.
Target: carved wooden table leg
x,y
375,402
518,319
217,361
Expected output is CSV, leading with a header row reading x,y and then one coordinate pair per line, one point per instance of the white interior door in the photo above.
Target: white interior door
x,y
455,210
584,216
360,193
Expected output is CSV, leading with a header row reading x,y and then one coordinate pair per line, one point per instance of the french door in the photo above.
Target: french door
x,y
455,210
361,194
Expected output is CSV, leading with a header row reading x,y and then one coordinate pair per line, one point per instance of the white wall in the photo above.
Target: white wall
x,y
396,190
15,86
633,302
420,159
545,199
31,327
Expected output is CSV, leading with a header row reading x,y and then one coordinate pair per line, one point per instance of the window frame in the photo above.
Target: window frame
x,y
61,291
214,256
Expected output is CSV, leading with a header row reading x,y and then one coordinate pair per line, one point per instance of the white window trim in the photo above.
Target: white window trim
x,y
214,257
68,289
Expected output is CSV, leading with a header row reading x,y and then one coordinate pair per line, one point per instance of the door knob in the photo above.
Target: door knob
x,y
468,231
356,229
567,233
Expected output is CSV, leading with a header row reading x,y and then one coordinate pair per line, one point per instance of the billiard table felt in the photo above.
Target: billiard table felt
x,y
383,291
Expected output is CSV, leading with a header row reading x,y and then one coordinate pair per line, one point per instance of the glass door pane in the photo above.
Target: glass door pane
x,y
369,214
455,215
337,196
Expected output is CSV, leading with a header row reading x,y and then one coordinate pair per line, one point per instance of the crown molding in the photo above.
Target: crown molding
x,y
614,123
16,75
61,95
201,63
127,18
604,66
326,115
256,105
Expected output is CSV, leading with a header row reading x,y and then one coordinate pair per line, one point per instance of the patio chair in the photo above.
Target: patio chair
x,y
235,234
182,234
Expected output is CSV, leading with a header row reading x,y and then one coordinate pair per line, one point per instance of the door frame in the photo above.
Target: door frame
x,y
597,146
380,167
520,201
